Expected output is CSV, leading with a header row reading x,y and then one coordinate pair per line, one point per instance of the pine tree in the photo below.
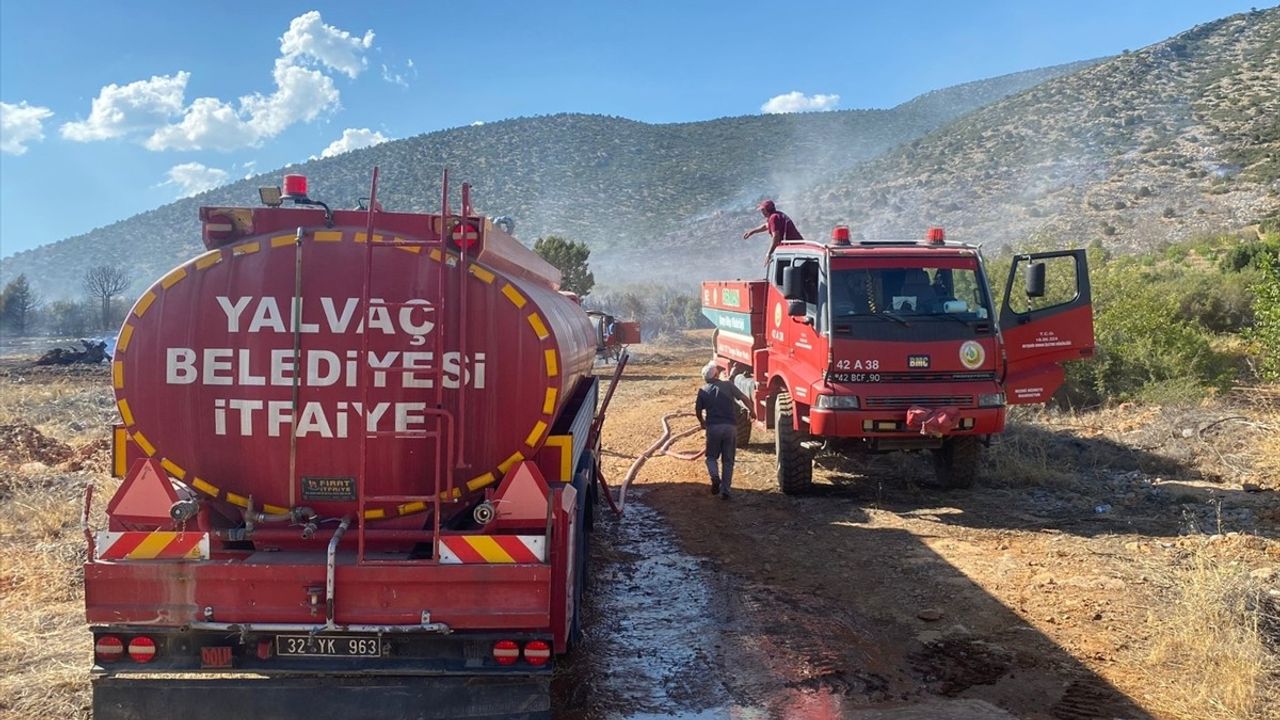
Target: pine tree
x,y
570,258
20,302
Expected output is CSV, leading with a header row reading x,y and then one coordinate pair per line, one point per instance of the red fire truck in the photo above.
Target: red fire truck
x,y
359,453
879,346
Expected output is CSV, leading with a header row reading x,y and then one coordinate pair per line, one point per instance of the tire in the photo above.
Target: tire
x,y
743,437
794,463
585,484
579,589
956,463
582,557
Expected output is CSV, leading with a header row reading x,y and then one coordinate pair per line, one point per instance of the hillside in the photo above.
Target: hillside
x,y
1153,146
610,181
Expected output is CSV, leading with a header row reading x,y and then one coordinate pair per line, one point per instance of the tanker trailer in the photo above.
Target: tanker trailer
x,y
359,459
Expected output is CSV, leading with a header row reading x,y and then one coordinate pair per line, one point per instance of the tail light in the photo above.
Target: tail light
x,y
506,652
108,648
142,649
537,653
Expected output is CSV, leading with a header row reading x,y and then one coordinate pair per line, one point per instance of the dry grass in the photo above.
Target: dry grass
x,y
1216,648
1024,456
1224,441
45,649
73,404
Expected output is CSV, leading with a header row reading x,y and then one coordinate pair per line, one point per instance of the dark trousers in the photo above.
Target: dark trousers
x,y
722,445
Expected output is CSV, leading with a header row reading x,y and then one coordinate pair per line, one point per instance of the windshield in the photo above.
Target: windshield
x,y
905,294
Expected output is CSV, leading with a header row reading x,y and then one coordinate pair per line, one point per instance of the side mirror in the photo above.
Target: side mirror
x,y
796,308
1035,280
792,287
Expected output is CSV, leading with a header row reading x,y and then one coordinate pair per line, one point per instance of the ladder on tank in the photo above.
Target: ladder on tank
x,y
441,439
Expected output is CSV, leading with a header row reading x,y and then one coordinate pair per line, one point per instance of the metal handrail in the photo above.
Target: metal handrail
x,y
443,441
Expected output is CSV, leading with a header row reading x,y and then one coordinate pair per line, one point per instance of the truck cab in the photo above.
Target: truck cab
x,y
875,346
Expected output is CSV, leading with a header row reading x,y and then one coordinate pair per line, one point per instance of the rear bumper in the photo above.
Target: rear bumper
x,y
876,423
288,588
321,698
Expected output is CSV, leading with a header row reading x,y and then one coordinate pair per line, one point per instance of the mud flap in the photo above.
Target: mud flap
x,y
316,698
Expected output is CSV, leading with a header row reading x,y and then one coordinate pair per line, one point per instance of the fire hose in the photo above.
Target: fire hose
x,y
662,446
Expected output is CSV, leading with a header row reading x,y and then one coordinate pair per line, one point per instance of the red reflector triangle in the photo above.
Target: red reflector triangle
x,y
145,495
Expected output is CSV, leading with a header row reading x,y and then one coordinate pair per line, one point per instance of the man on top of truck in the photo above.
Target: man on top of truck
x,y
776,223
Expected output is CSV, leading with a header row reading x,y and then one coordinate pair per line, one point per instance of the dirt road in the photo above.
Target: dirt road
x,y
876,597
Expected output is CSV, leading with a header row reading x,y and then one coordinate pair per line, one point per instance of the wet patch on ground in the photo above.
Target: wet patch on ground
x,y
670,635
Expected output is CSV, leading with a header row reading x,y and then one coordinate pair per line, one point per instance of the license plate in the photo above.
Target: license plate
x,y
836,377
328,646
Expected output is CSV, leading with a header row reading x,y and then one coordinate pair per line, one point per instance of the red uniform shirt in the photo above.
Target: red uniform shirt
x,y
779,221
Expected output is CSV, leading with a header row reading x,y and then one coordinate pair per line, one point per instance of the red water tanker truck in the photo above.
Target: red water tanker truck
x,y
876,346
359,452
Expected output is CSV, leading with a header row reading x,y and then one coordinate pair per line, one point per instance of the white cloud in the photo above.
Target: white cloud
x,y
193,178
308,37
796,101
123,110
303,91
353,139
301,95
21,124
208,123
396,77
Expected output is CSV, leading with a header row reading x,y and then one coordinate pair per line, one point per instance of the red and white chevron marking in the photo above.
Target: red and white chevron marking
x,y
492,549
155,545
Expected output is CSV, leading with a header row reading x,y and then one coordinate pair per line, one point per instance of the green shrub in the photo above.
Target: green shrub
x,y
1245,255
1265,333
1219,304
1142,344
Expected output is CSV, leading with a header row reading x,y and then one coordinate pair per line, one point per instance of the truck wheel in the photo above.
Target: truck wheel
x,y
956,463
743,437
795,464
581,573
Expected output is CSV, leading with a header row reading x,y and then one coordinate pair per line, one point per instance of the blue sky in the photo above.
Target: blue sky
x,y
209,92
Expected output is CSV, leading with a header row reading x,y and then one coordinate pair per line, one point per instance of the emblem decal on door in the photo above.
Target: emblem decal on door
x,y
972,355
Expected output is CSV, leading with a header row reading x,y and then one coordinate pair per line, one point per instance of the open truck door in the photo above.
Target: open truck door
x,y
1046,321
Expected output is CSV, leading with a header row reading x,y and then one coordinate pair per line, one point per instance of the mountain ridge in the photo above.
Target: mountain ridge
x,y
612,182
1157,145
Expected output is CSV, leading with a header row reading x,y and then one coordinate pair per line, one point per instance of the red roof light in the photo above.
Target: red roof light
x,y
295,186
840,235
936,235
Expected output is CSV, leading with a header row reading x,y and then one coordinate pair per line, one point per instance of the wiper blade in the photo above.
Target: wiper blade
x,y
949,316
879,316
890,316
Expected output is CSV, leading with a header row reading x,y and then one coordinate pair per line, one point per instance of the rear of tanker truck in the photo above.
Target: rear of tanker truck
x,y
358,452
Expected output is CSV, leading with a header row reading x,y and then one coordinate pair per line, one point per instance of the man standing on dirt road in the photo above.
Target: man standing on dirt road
x,y
717,411
776,223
